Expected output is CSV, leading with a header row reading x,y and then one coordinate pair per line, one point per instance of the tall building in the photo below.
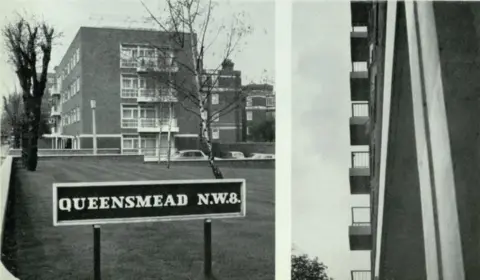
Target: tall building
x,y
225,111
259,105
129,74
422,92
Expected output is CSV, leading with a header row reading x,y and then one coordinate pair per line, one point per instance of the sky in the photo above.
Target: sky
x,y
254,57
321,198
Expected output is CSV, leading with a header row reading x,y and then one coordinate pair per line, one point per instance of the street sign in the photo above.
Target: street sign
x,y
95,203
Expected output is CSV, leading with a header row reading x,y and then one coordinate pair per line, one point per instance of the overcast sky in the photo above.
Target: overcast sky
x,y
321,197
68,15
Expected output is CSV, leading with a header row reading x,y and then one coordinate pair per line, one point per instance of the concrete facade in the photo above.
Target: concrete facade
x,y
424,136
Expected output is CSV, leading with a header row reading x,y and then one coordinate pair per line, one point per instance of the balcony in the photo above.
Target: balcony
x,y
359,43
360,232
152,125
54,91
359,83
55,112
360,173
156,95
360,11
359,134
361,275
156,64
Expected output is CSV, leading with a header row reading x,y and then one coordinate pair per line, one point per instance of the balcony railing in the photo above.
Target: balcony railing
x,y
359,66
129,123
360,109
360,159
156,63
162,94
361,275
360,216
154,123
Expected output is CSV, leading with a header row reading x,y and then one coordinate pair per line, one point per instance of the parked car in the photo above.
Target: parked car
x,y
233,155
189,154
262,156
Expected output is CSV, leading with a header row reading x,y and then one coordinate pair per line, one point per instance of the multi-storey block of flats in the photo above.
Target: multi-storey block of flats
x,y
424,126
134,77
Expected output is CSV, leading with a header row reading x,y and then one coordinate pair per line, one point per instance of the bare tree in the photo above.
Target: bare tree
x,y
188,23
14,118
29,45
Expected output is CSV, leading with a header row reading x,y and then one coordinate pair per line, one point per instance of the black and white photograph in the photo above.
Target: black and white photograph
x,y
137,139
240,139
385,181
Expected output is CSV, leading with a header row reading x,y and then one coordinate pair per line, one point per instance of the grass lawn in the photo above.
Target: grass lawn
x,y
242,248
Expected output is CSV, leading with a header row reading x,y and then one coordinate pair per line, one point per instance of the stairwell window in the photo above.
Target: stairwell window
x,y
249,116
215,133
215,99
216,117
249,101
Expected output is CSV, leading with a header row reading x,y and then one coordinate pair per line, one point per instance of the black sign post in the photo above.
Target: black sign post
x,y
96,203
96,252
207,228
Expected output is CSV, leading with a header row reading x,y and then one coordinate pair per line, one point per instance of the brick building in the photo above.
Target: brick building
x,y
259,105
420,85
225,103
129,73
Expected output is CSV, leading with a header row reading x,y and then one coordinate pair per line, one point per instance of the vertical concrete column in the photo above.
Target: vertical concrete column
x,y
423,150
448,49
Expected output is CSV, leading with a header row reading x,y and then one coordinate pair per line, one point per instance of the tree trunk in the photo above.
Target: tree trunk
x,y
17,134
170,117
33,118
205,140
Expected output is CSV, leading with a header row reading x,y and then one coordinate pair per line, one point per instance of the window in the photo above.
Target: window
x,y
147,113
215,133
216,117
249,101
215,98
78,113
129,116
248,130
249,115
77,55
270,101
130,142
129,112
78,84
129,82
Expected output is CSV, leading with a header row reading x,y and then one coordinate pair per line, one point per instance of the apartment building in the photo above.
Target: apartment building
x,y
224,87
259,105
129,73
359,174
423,127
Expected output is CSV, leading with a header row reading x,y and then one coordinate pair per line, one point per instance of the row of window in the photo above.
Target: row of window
x,y
70,65
270,101
71,90
131,56
71,117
